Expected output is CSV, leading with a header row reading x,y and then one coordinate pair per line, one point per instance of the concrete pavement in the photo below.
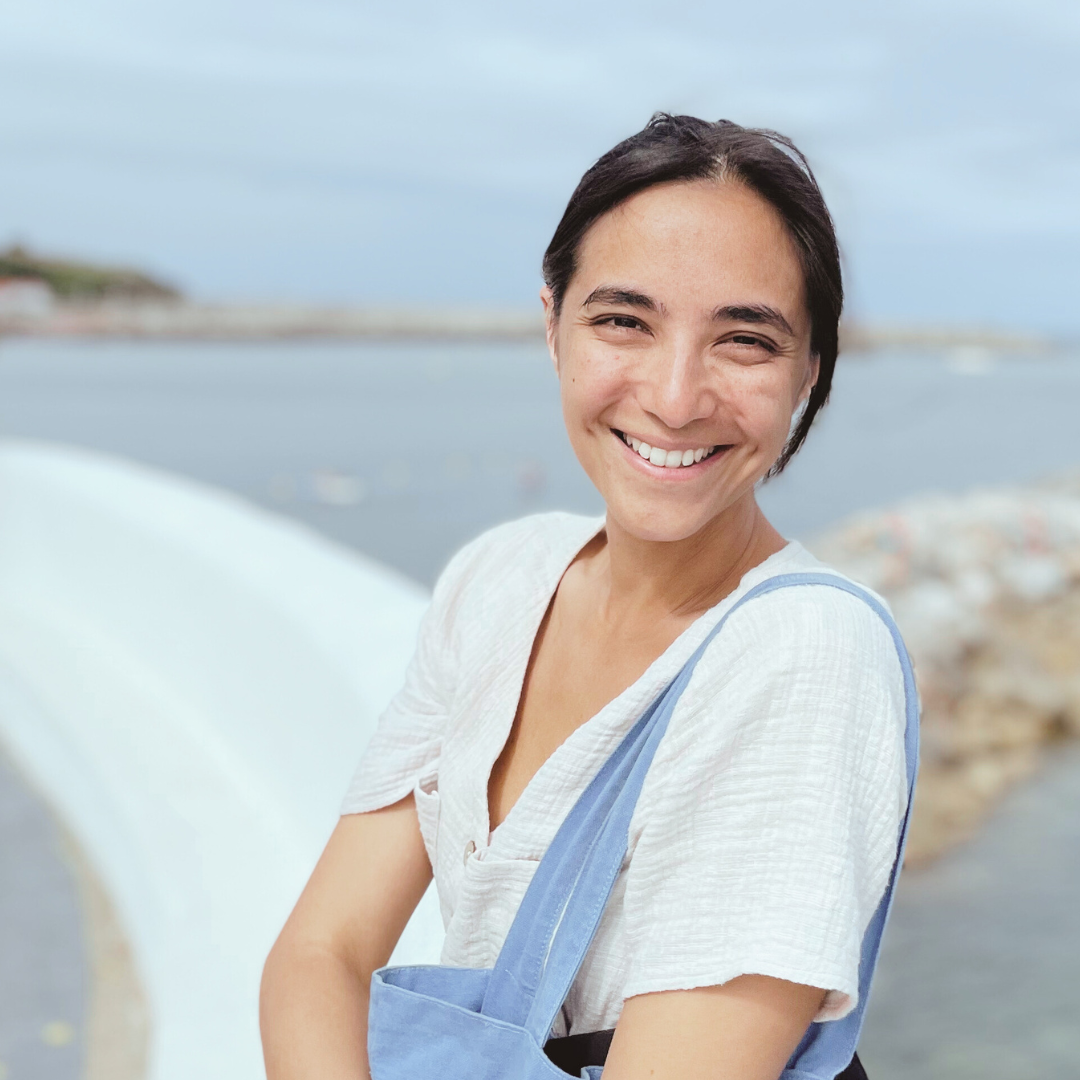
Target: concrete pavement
x,y
44,970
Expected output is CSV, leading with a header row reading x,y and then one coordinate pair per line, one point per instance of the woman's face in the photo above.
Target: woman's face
x,y
683,338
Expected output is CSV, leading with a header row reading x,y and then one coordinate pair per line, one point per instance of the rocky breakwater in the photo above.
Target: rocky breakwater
x,y
986,588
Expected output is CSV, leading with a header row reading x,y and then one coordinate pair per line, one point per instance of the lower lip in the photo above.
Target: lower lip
x,y
682,473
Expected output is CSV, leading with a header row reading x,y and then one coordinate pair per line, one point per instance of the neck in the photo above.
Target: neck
x,y
685,577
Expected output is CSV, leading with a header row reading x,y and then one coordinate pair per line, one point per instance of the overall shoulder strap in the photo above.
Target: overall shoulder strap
x,y
579,865
562,907
827,1048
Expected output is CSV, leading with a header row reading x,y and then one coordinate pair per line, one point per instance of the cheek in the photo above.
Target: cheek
x,y
589,385
762,400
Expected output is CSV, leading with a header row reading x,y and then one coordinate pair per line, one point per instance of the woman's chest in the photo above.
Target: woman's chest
x,y
579,664
480,875
483,866
477,859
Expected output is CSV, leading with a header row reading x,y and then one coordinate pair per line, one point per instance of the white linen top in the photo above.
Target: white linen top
x,y
767,826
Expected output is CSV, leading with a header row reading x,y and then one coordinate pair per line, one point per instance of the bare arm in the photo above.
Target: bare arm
x,y
744,1030
314,999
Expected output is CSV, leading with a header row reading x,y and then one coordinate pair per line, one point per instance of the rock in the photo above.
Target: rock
x,y
986,589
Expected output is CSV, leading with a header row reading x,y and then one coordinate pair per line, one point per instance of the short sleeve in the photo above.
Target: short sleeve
x,y
767,829
408,738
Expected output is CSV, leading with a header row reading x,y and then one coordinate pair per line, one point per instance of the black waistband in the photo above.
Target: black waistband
x,y
572,1053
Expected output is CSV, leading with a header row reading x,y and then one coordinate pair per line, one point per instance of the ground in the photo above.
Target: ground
x,y
70,1004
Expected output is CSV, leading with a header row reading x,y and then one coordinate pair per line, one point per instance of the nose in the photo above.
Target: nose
x,y
676,389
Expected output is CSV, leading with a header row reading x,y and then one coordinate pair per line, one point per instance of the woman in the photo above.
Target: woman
x,y
692,297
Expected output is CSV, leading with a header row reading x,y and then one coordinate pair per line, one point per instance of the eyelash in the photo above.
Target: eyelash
x,y
630,323
751,339
612,320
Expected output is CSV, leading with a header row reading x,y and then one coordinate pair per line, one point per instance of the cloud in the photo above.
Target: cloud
x,y
423,152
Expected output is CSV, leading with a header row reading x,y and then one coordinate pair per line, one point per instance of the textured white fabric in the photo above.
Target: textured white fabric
x,y
767,825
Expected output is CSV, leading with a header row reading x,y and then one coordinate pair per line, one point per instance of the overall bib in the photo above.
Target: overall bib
x,y
443,1023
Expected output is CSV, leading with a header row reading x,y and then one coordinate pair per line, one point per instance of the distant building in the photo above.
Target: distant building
x,y
25,297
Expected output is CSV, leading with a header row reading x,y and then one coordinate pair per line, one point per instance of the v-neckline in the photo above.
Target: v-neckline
x,y
701,624
538,614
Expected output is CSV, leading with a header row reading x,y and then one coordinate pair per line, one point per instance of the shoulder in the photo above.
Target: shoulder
x,y
505,570
818,616
805,663
519,551
801,695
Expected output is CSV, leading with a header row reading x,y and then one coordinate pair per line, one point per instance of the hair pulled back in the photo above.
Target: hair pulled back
x,y
685,148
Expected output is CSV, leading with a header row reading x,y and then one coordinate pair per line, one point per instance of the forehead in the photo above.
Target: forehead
x,y
718,239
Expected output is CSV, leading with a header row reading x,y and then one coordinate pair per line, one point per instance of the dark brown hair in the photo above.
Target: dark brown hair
x,y
684,148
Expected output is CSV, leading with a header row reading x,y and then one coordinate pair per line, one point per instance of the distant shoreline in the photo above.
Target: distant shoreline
x,y
186,321
260,322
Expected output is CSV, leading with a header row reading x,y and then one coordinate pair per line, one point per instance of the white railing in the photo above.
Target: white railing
x,y
190,681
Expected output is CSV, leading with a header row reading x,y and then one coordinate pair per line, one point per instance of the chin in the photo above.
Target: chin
x,y
661,524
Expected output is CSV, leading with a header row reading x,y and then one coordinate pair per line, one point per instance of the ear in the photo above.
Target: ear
x,y
551,323
810,381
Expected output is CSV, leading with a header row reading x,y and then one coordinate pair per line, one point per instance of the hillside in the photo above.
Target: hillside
x,y
71,280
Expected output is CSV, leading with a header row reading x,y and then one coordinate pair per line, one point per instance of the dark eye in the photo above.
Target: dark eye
x,y
625,322
747,339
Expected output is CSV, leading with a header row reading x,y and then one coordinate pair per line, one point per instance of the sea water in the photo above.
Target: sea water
x,y
405,451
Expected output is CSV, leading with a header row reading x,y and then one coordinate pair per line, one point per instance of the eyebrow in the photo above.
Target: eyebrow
x,y
615,294
753,313
761,314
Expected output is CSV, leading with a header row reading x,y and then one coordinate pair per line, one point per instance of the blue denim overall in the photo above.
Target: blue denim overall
x,y
443,1023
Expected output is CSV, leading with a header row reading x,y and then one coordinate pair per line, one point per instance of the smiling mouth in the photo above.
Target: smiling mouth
x,y
669,459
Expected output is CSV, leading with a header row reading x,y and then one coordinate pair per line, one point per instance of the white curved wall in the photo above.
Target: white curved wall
x,y
190,680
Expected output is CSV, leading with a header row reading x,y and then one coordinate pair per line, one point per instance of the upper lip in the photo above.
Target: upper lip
x,y
663,444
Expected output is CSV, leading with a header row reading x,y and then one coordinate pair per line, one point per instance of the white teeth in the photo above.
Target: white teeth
x,y
668,459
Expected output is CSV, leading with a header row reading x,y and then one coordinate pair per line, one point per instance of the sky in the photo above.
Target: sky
x,y
421,153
